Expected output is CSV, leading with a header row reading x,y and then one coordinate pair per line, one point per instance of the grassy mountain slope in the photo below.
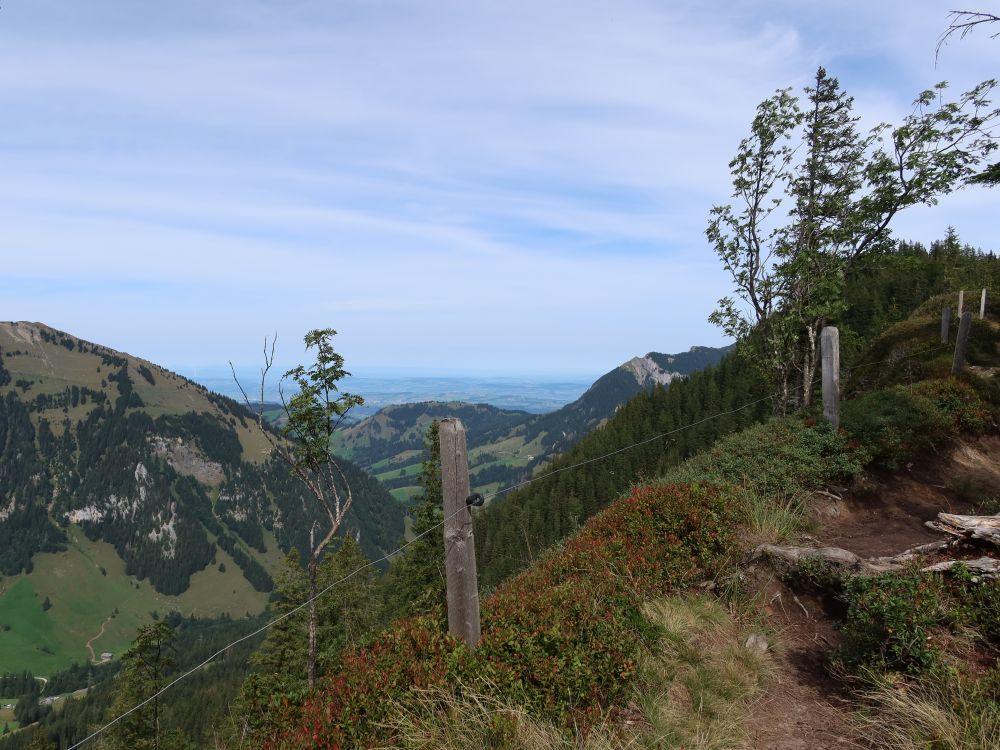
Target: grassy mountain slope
x,y
125,489
507,446
573,642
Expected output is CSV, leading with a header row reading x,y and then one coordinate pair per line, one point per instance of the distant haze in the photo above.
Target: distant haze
x,y
537,394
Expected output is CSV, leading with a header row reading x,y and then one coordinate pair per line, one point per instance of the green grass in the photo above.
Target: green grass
x,y
399,460
695,687
407,471
405,494
83,599
7,719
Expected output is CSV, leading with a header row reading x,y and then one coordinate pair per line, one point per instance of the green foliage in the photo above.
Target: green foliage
x,y
789,278
346,617
318,407
897,621
417,581
144,671
892,424
197,704
561,639
890,618
977,604
516,528
350,611
784,456
280,662
814,575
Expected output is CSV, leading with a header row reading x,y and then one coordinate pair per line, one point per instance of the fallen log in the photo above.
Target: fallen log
x,y
979,528
835,556
910,554
984,566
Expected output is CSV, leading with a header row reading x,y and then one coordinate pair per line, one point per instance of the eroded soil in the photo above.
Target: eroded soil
x,y
880,515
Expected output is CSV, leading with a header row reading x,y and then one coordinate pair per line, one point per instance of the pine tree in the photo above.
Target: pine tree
x,y
145,668
281,658
348,612
418,579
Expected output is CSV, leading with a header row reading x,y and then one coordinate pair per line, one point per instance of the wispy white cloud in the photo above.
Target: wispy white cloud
x,y
516,183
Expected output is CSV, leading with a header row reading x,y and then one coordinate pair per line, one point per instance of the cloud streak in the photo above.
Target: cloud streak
x,y
518,184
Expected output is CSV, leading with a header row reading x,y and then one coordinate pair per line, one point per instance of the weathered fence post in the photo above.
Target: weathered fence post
x,y
459,544
982,305
961,303
962,343
830,347
945,324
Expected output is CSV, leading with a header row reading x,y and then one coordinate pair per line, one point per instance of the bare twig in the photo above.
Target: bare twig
x,y
963,22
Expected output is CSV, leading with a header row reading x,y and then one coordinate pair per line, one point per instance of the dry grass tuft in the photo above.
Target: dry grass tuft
x,y
695,691
699,690
939,714
439,720
770,518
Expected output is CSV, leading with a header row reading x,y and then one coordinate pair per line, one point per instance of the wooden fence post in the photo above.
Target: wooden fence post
x,y
830,347
982,305
459,543
945,324
961,303
962,343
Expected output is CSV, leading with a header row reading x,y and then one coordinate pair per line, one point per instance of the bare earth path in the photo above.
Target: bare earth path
x,y
90,648
805,708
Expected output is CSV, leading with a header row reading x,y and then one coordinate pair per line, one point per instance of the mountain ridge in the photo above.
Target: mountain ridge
x,y
505,445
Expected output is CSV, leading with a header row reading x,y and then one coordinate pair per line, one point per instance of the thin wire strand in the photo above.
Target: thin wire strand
x,y
440,523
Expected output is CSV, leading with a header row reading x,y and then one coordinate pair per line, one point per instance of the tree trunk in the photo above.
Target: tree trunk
x,y
311,658
809,367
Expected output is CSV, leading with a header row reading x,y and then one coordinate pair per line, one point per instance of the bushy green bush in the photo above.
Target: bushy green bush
x,y
889,621
891,424
977,603
814,575
782,457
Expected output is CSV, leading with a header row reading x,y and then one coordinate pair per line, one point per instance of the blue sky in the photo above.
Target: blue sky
x,y
496,187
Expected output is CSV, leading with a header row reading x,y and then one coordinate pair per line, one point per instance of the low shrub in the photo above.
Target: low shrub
x,y
889,621
785,456
814,575
941,712
891,424
561,640
977,603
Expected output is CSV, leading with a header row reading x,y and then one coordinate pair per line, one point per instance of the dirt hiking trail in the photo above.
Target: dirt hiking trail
x,y
880,515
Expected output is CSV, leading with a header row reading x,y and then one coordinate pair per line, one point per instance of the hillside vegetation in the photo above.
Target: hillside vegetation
x,y
569,642
128,489
590,645
507,446
631,625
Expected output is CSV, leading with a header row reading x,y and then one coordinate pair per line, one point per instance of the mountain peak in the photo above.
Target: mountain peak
x,y
648,372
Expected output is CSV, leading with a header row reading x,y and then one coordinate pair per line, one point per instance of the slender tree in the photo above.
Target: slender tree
x,y
144,671
812,195
346,619
312,416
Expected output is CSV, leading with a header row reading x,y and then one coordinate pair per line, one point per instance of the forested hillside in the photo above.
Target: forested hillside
x,y
662,432
514,529
615,634
174,478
